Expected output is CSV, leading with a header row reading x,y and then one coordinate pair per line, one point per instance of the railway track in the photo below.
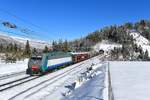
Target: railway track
x,y
54,80
37,87
57,78
14,83
49,81
12,75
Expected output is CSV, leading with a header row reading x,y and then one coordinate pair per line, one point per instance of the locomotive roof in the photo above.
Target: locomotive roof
x,y
74,53
36,57
58,54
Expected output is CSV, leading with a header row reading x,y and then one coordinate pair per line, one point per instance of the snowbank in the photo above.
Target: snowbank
x,y
89,85
130,80
13,67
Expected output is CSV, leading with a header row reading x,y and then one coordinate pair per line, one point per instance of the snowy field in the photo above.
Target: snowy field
x,y
10,68
130,80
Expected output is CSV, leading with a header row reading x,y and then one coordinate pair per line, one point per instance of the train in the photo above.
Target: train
x,y
48,62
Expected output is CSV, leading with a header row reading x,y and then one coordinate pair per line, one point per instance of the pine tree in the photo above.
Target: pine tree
x,y
141,56
65,46
46,50
60,43
135,48
15,48
54,45
128,25
34,51
125,51
7,49
142,22
146,55
10,47
27,50
1,48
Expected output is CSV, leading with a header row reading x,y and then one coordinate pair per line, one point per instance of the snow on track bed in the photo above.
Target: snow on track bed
x,y
45,83
12,75
14,83
30,89
12,79
56,88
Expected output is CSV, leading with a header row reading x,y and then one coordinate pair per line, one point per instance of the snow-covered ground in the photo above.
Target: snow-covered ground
x,y
10,68
130,80
87,80
106,46
141,41
88,86
74,82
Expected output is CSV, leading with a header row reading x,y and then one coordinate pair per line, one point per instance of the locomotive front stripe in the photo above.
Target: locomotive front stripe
x,y
58,65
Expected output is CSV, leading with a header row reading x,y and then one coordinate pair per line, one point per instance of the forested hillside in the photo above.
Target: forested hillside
x,y
117,34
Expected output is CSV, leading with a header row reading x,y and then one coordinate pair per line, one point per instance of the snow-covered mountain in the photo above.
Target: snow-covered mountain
x,y
141,41
6,39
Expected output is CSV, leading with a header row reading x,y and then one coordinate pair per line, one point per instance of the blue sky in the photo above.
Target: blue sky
x,y
70,19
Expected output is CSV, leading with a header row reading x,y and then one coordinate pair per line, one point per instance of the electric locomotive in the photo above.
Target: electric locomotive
x,y
41,64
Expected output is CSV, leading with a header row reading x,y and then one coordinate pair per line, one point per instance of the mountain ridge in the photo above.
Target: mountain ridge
x,y
20,41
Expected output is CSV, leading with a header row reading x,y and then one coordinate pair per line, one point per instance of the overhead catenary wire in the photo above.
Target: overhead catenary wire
x,y
14,33
21,19
25,30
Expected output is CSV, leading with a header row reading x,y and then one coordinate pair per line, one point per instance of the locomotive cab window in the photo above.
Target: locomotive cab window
x,y
35,61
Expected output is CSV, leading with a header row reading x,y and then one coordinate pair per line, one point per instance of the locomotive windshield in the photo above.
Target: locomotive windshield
x,y
35,61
